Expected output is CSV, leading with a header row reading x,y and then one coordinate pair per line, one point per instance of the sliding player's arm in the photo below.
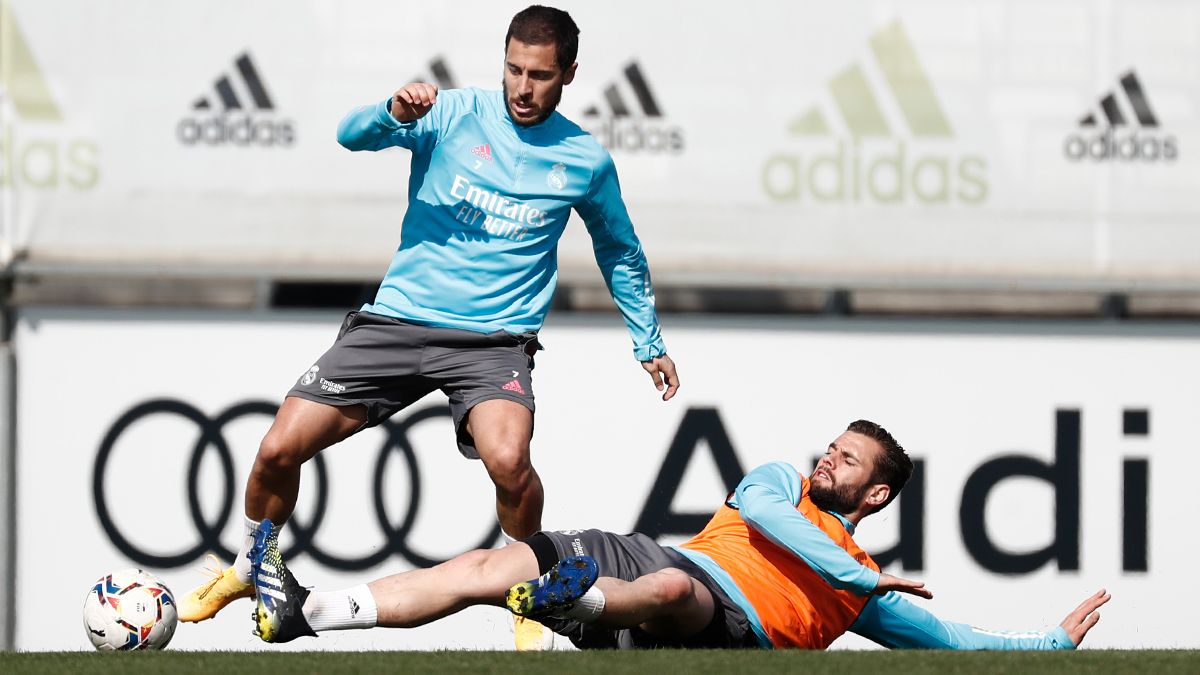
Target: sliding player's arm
x,y
767,499
896,623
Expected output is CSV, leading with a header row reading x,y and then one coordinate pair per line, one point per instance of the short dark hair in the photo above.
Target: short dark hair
x,y
893,467
539,25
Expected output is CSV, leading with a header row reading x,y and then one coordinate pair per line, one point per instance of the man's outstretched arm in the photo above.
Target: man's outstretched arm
x,y
895,623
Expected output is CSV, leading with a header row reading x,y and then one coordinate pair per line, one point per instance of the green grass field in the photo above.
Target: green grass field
x,y
664,662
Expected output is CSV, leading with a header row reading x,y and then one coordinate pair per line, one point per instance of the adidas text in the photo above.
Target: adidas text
x,y
629,135
855,172
48,162
1128,147
240,130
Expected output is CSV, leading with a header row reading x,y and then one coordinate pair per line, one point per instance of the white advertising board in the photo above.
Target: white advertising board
x,y
781,141
1054,459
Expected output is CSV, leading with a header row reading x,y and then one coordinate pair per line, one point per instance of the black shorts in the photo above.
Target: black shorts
x,y
627,557
388,364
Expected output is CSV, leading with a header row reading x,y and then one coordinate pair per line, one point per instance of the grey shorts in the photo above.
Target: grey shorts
x,y
627,557
388,364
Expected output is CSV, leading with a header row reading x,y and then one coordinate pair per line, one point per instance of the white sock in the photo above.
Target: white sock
x,y
341,610
241,563
508,538
587,608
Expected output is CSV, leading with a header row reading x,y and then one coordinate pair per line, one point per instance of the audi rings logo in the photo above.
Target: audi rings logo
x,y
395,536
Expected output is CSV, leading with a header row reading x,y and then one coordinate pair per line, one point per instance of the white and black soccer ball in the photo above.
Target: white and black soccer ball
x,y
129,609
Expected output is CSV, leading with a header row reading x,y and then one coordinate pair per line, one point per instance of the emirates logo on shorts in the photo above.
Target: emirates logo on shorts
x,y
514,386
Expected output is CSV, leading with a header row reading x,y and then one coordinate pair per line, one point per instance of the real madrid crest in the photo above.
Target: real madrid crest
x,y
310,376
557,178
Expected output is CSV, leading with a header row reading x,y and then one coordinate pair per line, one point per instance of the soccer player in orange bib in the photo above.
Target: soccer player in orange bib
x,y
776,567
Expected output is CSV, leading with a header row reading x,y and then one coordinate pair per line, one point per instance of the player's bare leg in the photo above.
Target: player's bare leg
x,y
502,430
301,429
668,603
286,610
475,578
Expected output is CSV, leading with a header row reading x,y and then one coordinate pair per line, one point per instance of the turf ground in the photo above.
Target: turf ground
x,y
665,662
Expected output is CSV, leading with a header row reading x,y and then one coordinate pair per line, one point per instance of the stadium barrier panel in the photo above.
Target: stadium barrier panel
x,y
1055,458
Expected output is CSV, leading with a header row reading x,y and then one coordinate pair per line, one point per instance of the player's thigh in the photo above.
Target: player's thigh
x,y
501,430
302,427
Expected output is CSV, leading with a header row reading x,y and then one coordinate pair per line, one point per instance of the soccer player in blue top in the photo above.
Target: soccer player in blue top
x,y
494,177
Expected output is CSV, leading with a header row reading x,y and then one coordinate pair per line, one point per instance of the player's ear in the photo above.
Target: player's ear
x,y
878,494
569,73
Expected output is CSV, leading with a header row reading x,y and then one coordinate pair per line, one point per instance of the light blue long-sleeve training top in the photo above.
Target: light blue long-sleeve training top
x,y
767,498
488,201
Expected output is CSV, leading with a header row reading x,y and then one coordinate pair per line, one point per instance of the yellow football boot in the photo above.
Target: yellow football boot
x,y
531,636
222,588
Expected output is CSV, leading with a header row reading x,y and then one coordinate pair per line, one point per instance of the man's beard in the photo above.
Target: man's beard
x,y
545,114
838,498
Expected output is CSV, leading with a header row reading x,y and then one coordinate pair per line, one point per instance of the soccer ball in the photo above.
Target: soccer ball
x,y
129,609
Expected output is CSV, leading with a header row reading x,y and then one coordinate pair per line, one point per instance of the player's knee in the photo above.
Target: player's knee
x,y
473,563
276,455
673,588
475,571
510,468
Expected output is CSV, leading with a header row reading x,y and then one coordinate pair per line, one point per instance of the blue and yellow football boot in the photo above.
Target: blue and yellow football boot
x,y
278,612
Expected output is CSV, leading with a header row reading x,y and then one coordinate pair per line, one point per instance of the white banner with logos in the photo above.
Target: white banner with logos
x,y
781,141
1055,459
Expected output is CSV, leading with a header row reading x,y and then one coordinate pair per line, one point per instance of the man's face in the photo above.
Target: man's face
x,y
532,81
842,477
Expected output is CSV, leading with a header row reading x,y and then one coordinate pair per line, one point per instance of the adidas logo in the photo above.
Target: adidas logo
x,y
354,607
514,386
1114,143
238,112
441,74
641,90
863,153
42,156
620,128
24,84
1137,100
483,151
229,98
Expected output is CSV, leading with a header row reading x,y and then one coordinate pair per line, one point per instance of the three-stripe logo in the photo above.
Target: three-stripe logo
x,y
868,151
1120,139
237,111
616,102
1112,110
632,123
856,101
43,155
229,98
